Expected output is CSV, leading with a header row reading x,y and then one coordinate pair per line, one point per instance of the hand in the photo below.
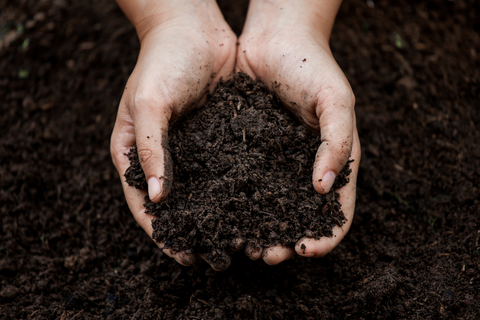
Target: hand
x,y
186,47
285,44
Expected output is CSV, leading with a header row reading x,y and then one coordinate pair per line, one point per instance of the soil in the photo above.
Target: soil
x,y
69,247
242,168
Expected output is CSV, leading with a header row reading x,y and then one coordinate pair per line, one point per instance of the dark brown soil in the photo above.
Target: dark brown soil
x,y
242,168
69,246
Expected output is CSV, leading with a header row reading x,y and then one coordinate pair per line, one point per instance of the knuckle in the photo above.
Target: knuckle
x,y
345,96
117,156
341,97
148,103
352,98
113,151
144,102
144,154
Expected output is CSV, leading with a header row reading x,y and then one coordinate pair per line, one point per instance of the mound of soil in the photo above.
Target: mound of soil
x,y
242,168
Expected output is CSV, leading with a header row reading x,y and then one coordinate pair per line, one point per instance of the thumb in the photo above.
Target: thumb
x,y
336,128
151,132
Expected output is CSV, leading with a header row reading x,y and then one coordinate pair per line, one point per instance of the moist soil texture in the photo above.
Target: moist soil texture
x,y
70,248
242,168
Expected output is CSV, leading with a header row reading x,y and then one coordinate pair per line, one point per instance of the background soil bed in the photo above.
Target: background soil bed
x,y
68,244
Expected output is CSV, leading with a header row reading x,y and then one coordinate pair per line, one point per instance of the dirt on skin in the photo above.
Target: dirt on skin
x,y
243,170
69,247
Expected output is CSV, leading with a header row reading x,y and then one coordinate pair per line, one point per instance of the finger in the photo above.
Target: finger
x,y
336,116
276,254
151,117
185,259
309,247
123,138
219,260
136,199
253,252
237,244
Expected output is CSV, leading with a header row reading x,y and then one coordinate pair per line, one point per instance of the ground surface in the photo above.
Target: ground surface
x,y
70,248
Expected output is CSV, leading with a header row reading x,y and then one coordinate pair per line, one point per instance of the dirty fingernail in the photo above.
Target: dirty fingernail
x,y
237,244
307,255
164,189
153,187
301,250
185,259
327,181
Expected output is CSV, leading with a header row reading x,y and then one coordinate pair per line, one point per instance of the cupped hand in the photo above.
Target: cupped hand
x,y
182,58
287,48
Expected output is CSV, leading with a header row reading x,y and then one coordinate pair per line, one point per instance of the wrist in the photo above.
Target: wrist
x,y
314,16
147,15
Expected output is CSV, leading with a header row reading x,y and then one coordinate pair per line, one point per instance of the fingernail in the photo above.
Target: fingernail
x,y
328,180
307,255
153,187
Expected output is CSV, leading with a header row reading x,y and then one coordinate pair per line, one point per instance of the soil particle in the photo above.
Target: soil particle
x,y
110,303
238,167
9,292
303,247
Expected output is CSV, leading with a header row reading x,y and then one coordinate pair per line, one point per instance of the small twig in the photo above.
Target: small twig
x,y
36,312
76,315
176,275
281,204
244,135
264,212
219,227
204,302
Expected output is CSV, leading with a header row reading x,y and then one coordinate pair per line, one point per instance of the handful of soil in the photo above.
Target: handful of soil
x,y
242,169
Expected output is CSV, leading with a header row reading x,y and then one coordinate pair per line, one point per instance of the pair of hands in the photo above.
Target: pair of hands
x,y
187,47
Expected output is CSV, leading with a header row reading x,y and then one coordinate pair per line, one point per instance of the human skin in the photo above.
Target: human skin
x,y
186,47
286,44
